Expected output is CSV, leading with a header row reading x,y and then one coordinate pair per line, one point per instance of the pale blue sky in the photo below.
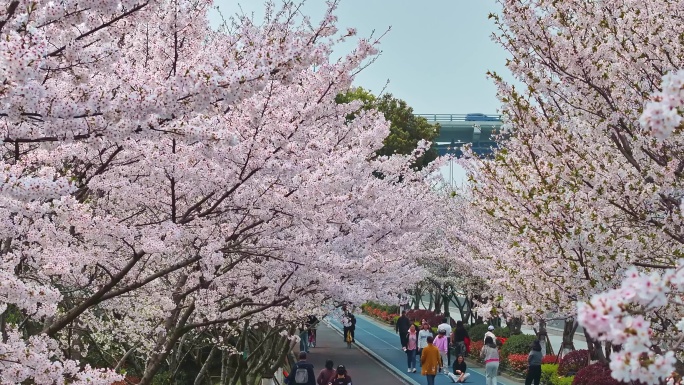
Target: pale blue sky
x,y
435,57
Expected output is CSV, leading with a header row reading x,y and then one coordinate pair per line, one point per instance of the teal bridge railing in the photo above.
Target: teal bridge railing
x,y
457,130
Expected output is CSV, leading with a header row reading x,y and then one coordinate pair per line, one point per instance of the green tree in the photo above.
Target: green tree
x,y
406,129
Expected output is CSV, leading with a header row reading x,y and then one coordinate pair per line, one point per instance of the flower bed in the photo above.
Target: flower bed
x,y
382,313
517,362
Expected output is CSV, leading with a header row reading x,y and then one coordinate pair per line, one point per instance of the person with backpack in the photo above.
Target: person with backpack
x,y
302,372
342,378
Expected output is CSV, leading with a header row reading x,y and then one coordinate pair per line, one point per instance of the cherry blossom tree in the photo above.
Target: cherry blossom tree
x,y
622,315
582,194
162,179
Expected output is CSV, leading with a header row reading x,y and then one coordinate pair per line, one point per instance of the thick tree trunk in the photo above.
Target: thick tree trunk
x,y
514,325
175,324
445,302
224,367
569,330
438,302
417,297
543,337
595,349
461,305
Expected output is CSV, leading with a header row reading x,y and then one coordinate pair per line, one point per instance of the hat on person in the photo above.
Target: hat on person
x,y
490,328
341,369
441,331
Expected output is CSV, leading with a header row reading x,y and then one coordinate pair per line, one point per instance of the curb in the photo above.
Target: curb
x,y
381,360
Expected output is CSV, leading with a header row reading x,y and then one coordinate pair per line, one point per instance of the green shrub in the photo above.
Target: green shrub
x,y
549,371
562,380
477,332
519,344
501,332
394,319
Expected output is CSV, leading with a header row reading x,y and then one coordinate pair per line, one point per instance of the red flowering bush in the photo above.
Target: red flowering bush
x,y
417,315
379,313
549,359
500,341
595,374
573,362
476,348
517,362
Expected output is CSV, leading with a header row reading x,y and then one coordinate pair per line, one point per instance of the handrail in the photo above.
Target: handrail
x,y
461,117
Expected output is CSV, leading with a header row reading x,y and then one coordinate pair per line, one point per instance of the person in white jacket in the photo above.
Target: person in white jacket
x,y
423,335
490,333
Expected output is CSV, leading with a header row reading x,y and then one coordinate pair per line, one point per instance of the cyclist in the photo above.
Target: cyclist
x,y
348,323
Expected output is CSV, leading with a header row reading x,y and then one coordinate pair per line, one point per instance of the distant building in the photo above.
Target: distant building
x,y
459,129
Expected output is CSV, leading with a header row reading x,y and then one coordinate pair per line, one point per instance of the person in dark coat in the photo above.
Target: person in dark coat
x,y
402,327
302,364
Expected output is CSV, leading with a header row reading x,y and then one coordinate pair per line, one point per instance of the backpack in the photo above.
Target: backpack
x,y
301,375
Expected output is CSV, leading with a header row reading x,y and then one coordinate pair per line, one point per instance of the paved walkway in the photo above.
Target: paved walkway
x,y
363,369
382,343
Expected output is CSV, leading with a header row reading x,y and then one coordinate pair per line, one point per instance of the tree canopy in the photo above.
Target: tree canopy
x,y
406,129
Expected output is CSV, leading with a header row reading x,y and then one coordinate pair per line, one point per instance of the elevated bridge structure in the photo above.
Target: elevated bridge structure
x,y
458,129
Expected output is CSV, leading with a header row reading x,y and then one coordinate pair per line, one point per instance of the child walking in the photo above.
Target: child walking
x,y
442,344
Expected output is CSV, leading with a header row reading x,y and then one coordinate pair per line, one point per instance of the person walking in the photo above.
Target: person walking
x,y
303,339
423,335
534,361
459,374
430,361
490,353
447,327
442,344
302,372
411,348
311,325
402,327
490,333
458,338
326,374
341,377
